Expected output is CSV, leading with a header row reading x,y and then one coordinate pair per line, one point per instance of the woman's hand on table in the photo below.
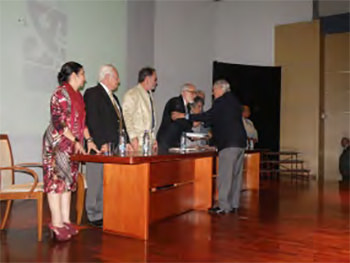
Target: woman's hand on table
x,y
92,146
78,148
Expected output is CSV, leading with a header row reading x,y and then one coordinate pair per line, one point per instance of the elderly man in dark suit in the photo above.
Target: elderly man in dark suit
x,y
225,118
104,119
170,131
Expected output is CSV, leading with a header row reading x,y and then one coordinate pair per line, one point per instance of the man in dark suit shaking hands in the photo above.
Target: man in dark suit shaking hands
x,y
170,131
104,119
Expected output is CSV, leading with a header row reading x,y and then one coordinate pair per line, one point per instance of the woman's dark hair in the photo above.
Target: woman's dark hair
x,y
145,72
66,70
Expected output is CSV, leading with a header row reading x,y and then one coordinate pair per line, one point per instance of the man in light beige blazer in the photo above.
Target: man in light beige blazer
x,y
138,107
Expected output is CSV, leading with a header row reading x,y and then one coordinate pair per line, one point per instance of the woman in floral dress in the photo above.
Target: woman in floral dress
x,y
63,137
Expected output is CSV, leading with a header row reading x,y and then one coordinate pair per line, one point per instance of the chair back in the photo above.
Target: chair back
x,y
6,159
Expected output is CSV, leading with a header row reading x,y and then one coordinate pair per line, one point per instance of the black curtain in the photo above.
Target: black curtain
x,y
260,88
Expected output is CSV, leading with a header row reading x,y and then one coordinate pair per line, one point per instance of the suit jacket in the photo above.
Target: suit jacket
x,y
344,164
138,112
225,117
101,117
170,131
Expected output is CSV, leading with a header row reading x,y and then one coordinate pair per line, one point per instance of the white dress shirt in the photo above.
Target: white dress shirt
x,y
252,133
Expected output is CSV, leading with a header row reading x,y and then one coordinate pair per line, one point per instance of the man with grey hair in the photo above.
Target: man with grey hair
x,y
225,118
139,108
170,131
104,119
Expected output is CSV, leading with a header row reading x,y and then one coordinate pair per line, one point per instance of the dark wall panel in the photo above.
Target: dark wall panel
x,y
258,87
335,24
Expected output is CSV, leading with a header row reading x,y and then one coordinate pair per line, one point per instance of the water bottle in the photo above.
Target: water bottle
x,y
183,142
109,151
146,143
251,144
122,143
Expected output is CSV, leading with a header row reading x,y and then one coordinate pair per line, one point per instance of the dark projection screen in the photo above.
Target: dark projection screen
x,y
258,87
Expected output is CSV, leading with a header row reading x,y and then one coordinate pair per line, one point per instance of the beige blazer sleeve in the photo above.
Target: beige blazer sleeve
x,y
129,109
137,112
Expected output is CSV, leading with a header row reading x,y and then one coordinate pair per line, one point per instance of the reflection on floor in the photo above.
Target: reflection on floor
x,y
284,222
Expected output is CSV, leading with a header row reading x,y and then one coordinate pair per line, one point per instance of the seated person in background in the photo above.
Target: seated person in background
x,y
170,131
198,127
205,127
252,133
344,160
197,105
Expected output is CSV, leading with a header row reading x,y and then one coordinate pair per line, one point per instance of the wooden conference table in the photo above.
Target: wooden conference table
x,y
139,190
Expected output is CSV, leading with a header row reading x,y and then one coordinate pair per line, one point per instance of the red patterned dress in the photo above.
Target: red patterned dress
x,y
67,112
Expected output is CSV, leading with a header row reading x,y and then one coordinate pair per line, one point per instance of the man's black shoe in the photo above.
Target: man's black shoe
x,y
97,223
217,210
234,210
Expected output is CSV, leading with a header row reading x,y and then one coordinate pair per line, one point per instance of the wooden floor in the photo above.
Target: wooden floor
x,y
284,222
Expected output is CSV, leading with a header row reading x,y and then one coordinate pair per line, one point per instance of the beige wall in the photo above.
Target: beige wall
x,y
297,51
37,37
336,100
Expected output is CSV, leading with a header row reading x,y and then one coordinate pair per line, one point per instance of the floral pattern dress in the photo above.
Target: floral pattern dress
x,y
60,173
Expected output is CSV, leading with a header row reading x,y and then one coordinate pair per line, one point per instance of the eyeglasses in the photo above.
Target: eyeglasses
x,y
191,91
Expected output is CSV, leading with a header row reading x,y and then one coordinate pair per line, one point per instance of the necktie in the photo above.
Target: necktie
x,y
116,108
188,108
153,120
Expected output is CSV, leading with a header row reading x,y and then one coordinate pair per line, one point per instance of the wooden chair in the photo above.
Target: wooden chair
x,y
6,160
10,191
